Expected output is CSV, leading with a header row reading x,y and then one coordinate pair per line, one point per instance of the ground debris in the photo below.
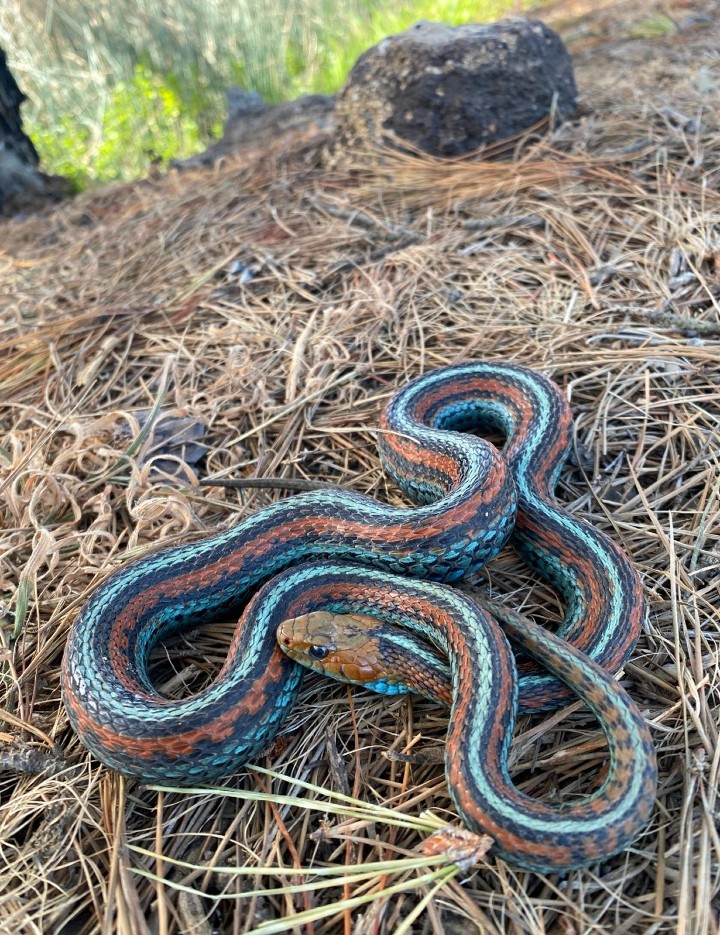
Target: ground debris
x,y
276,304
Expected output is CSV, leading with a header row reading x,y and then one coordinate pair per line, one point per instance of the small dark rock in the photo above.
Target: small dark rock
x,y
253,124
450,90
261,126
243,104
172,442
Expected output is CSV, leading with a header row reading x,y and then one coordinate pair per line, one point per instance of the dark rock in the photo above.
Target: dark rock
x,y
253,124
243,104
11,130
449,90
260,126
173,442
22,186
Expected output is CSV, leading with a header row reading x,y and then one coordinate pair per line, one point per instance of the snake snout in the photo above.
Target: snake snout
x,y
303,634
286,632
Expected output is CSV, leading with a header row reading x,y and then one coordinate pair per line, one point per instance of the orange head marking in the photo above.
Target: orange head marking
x,y
343,646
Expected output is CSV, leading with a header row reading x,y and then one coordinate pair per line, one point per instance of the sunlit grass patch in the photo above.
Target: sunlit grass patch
x,y
114,88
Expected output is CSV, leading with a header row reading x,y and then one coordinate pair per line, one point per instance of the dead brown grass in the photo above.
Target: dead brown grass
x,y
279,304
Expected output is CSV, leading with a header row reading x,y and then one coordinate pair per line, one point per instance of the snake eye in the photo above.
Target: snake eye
x,y
318,652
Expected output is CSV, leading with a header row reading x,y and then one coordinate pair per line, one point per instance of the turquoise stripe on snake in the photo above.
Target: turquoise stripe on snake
x,y
468,495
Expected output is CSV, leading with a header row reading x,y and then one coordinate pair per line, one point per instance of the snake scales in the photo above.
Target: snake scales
x,y
326,550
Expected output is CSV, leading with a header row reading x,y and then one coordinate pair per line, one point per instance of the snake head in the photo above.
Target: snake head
x,y
343,646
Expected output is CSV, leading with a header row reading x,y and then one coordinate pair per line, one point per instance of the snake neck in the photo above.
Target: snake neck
x,y
418,667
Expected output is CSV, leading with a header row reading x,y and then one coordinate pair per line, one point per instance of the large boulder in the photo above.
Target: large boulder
x,y
449,90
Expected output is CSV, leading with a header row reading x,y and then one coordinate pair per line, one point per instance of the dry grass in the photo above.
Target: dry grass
x,y
596,258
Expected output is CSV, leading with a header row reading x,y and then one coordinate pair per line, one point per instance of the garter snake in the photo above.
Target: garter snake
x,y
470,499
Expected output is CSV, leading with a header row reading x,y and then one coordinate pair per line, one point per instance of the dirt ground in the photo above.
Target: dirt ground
x,y
266,308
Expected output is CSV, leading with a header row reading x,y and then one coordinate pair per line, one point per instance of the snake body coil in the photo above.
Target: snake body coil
x,y
468,502
482,697
604,602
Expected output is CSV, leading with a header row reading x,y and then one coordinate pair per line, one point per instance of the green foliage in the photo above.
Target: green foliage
x,y
115,87
146,122
341,47
63,148
653,27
